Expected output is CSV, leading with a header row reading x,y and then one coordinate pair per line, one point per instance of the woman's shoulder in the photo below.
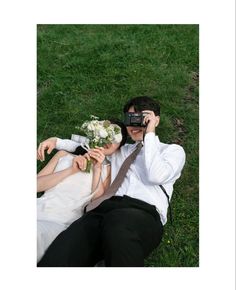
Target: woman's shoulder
x,y
64,161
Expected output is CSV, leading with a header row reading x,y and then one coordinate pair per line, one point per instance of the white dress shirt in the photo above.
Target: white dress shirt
x,y
156,164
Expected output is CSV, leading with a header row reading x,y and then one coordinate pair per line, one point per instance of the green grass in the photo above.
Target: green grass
x,y
95,69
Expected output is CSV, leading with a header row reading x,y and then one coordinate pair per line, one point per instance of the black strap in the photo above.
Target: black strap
x,y
168,198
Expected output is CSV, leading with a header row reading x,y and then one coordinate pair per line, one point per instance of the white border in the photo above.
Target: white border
x,y
217,142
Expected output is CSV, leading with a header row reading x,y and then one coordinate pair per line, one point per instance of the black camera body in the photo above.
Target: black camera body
x,y
134,119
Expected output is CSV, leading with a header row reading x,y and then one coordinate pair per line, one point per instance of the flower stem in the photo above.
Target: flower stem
x,y
88,167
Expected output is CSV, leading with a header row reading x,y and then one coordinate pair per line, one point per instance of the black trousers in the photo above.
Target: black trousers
x,y
122,231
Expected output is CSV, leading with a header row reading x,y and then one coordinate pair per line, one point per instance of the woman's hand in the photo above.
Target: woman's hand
x,y
79,163
97,156
151,120
48,145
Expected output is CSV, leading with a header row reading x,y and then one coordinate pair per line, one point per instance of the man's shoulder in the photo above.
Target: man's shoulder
x,y
165,148
128,147
125,150
170,145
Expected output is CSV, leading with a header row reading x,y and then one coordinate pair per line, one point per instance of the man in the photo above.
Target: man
x,y
124,229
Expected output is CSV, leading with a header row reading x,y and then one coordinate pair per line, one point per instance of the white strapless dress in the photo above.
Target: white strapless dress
x,y
62,204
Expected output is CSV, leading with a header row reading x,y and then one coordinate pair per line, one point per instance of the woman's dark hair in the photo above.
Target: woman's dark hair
x,y
81,151
123,130
143,103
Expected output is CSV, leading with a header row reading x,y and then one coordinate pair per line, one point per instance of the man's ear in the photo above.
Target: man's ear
x,y
157,120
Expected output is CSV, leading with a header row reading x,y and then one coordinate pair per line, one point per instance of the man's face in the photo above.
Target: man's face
x,y
136,133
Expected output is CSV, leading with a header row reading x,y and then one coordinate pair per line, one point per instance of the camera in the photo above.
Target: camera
x,y
134,119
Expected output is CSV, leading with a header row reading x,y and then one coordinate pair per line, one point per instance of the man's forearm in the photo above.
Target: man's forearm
x,y
159,167
66,144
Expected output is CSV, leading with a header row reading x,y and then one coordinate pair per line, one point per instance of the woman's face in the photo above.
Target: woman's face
x,y
110,148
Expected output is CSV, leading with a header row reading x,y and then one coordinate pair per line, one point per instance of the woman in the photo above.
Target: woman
x,y
68,189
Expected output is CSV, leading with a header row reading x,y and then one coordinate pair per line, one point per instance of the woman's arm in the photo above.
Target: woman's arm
x,y
107,181
45,182
96,182
51,165
98,157
46,178
102,186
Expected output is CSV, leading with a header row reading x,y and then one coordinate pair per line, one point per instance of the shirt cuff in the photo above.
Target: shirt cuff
x,y
66,144
151,138
59,144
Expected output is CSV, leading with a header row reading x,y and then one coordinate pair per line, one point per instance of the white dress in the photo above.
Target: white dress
x,y
62,204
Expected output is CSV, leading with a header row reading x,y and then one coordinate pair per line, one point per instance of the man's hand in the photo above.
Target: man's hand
x,y
48,145
151,120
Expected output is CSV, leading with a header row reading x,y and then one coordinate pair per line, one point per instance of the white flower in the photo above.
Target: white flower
x,y
100,133
117,138
90,127
84,126
103,133
93,117
96,139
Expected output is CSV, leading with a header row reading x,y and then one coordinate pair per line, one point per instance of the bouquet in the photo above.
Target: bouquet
x,y
99,133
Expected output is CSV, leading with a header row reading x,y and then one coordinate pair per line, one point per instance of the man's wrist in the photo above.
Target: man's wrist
x,y
150,133
150,129
151,137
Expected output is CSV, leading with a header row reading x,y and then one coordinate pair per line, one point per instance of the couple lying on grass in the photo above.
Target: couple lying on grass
x,y
101,215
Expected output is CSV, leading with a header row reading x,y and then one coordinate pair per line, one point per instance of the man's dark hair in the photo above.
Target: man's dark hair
x,y
81,151
143,103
